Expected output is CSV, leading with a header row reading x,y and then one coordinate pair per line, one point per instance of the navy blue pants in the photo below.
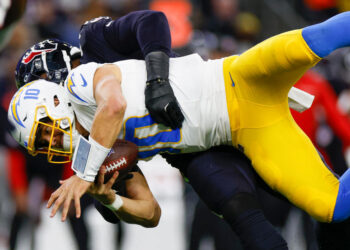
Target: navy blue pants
x,y
225,181
219,174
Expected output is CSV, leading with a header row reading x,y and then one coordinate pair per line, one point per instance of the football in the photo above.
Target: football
x,y
121,158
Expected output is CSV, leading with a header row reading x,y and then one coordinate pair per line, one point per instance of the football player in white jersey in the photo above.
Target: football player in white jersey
x,y
240,100
139,205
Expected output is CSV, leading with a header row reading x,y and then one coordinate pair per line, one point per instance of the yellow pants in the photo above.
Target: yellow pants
x,y
257,85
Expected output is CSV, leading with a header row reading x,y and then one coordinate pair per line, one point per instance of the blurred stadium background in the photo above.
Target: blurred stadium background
x,y
212,28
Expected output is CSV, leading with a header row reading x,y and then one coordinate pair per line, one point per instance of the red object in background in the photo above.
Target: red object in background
x,y
324,108
178,13
17,171
67,171
320,4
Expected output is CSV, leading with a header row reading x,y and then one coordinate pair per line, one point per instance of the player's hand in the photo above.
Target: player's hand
x,y
101,191
162,104
71,189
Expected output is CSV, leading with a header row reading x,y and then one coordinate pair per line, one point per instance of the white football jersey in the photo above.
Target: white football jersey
x,y
198,86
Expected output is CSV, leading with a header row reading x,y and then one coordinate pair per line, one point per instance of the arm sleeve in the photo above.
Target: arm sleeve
x,y
325,37
140,30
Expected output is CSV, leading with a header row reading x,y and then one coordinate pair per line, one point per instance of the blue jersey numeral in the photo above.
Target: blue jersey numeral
x,y
168,136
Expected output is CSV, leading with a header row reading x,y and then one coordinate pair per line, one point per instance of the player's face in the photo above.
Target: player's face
x,y
46,134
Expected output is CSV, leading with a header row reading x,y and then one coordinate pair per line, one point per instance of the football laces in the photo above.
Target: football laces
x,y
116,164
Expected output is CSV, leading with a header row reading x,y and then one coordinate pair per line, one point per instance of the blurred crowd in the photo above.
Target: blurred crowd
x,y
211,28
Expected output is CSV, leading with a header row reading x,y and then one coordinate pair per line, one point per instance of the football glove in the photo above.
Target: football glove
x,y
160,99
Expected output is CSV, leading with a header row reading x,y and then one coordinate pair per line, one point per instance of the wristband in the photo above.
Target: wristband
x,y
117,203
88,158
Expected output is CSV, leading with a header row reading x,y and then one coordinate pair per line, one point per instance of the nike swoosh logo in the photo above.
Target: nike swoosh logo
x,y
85,83
233,83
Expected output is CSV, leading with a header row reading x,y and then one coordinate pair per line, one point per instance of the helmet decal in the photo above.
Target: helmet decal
x,y
44,46
16,103
70,85
51,56
14,108
28,57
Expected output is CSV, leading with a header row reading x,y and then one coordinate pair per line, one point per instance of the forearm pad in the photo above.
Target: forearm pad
x,y
157,65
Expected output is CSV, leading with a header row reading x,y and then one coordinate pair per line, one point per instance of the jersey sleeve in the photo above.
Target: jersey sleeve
x,y
144,31
140,30
79,84
92,42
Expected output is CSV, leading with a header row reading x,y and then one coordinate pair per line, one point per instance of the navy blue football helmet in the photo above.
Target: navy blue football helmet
x,y
51,57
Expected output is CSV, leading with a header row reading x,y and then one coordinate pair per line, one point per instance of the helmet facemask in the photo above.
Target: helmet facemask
x,y
62,125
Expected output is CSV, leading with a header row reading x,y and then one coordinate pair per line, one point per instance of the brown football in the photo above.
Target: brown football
x,y
121,158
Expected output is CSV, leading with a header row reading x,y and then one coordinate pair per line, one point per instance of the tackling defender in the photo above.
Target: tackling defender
x,y
240,100
104,40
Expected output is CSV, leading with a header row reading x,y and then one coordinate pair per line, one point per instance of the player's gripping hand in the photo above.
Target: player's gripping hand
x,y
101,191
71,189
162,104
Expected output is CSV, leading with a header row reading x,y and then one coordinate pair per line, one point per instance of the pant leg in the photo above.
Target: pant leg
x,y
288,162
225,181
